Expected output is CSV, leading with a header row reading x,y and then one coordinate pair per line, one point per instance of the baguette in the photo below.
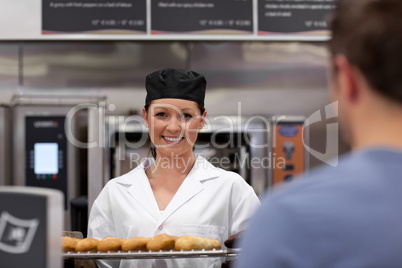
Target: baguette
x,y
135,244
110,244
189,242
161,242
156,243
87,244
69,243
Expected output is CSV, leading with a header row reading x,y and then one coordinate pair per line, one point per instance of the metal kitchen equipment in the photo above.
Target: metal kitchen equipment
x,y
228,253
245,145
5,145
229,142
31,223
46,144
288,141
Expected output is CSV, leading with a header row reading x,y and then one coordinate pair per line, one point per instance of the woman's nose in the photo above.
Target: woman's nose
x,y
174,124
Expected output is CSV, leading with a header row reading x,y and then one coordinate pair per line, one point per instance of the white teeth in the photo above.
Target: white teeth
x,y
173,139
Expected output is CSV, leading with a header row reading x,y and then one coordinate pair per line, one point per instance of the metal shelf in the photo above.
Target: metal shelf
x,y
231,253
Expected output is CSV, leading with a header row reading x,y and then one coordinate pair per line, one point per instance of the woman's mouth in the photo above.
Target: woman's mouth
x,y
171,140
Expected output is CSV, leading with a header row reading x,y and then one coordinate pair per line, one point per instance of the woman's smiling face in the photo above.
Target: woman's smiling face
x,y
173,125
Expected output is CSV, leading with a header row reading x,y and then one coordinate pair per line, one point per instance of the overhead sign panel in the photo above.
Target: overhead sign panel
x,y
94,17
202,17
187,19
294,16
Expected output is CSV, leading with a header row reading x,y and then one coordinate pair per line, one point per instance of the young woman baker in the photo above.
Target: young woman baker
x,y
174,192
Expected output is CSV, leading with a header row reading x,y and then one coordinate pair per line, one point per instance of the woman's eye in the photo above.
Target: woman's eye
x,y
187,116
160,114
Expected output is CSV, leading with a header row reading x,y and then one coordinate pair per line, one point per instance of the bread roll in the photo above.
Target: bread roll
x,y
135,244
110,244
69,243
161,242
87,244
216,244
189,242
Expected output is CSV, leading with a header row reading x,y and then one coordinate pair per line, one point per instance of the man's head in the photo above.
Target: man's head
x,y
366,57
369,34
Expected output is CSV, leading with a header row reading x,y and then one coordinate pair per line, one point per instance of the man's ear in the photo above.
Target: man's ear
x,y
145,116
347,79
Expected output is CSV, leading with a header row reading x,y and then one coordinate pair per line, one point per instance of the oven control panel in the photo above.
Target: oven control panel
x,y
46,152
288,150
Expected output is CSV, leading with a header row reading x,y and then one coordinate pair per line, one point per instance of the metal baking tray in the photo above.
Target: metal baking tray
x,y
231,253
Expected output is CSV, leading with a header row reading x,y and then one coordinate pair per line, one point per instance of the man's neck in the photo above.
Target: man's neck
x,y
380,128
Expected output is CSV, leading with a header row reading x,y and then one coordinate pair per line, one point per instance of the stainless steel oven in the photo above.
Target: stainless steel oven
x,y
233,143
46,144
5,145
256,147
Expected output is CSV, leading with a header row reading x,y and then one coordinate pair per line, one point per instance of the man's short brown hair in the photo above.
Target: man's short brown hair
x,y
369,34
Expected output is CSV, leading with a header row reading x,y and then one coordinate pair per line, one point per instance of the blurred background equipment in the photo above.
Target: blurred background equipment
x,y
30,235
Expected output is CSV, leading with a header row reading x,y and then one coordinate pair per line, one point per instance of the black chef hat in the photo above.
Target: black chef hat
x,y
175,84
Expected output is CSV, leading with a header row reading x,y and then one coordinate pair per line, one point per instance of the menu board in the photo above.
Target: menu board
x,y
294,16
202,16
188,19
94,16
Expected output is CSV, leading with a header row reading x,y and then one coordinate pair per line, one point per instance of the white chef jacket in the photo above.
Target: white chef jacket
x,y
211,202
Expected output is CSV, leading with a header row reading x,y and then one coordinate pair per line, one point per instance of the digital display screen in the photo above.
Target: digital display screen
x,y
46,159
